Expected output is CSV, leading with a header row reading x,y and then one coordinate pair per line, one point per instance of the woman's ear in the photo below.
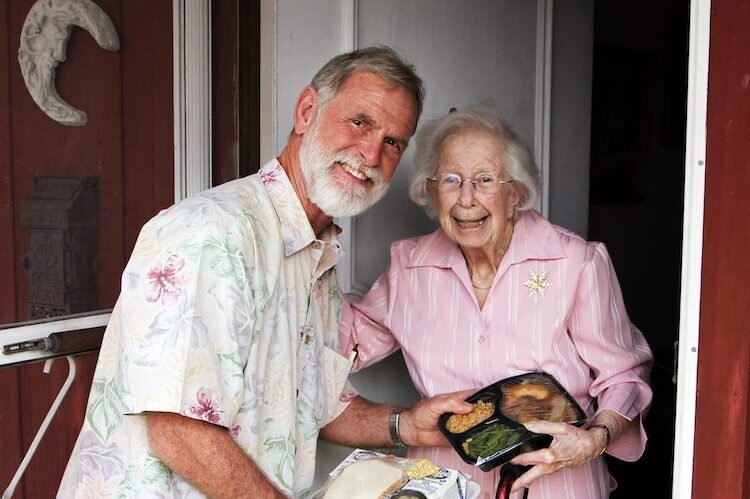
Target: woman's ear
x,y
518,193
305,109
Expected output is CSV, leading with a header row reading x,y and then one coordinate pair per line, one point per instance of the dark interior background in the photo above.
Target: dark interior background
x,y
636,196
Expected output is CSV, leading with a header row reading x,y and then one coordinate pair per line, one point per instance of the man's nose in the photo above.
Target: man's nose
x,y
371,151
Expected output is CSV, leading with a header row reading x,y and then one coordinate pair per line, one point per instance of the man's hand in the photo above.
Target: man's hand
x,y
418,425
207,457
364,424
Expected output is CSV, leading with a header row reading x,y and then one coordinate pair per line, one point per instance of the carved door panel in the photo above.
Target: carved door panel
x,y
61,254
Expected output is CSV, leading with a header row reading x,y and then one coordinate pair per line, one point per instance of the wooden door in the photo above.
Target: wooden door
x,y
722,431
127,146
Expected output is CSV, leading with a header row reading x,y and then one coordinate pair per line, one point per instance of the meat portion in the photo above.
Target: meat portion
x,y
532,400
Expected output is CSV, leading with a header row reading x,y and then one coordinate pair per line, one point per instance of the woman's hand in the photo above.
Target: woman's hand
x,y
571,446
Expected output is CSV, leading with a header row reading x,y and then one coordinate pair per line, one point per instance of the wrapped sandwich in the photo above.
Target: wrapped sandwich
x,y
371,475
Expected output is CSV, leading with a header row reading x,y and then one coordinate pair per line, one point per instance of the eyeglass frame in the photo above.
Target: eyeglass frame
x,y
473,181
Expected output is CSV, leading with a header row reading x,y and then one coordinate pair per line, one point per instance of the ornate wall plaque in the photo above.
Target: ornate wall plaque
x,y
44,38
61,218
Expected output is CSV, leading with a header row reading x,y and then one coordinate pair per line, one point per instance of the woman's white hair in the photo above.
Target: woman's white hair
x,y
519,163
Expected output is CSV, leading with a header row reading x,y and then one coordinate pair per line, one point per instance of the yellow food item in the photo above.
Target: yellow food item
x,y
422,468
458,423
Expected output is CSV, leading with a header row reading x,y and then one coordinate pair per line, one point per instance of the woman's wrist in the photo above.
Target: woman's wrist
x,y
606,435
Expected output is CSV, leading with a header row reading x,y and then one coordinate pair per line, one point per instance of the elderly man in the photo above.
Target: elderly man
x,y
221,363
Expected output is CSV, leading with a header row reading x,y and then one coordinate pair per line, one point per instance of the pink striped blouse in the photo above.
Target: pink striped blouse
x,y
555,305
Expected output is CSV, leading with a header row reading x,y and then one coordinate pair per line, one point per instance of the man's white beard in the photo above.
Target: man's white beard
x,y
335,196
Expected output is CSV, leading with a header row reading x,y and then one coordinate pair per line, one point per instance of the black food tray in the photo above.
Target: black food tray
x,y
501,436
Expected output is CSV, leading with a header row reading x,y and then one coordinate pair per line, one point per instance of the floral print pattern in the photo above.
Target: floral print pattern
x,y
206,408
166,281
228,314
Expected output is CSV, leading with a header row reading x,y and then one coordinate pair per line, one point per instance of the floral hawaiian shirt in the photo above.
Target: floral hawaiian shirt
x,y
229,313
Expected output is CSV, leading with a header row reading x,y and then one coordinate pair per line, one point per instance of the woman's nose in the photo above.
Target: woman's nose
x,y
466,193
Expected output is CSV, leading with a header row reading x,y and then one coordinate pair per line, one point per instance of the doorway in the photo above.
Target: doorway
x,y
636,196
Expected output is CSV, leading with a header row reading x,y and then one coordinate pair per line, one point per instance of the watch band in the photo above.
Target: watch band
x,y
393,426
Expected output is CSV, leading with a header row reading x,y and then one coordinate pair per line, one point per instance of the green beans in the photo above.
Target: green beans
x,y
490,440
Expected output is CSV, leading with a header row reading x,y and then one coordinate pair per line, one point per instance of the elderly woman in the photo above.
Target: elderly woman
x,y
498,291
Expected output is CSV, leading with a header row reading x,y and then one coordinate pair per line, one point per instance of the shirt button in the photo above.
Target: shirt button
x,y
481,339
317,244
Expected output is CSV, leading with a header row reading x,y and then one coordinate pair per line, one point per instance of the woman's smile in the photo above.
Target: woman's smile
x,y
470,222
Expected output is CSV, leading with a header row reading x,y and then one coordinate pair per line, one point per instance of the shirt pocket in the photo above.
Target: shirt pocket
x,y
335,369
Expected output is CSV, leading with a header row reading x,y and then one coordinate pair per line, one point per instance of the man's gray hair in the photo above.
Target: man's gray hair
x,y
519,163
380,60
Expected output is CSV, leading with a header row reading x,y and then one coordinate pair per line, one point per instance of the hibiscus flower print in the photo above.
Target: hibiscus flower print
x,y
206,408
166,281
271,179
347,395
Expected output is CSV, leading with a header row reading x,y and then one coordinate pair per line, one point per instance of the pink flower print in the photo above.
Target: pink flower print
x,y
348,395
236,431
166,281
206,408
272,180
318,290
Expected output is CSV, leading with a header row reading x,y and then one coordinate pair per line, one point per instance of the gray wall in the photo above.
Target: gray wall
x,y
572,54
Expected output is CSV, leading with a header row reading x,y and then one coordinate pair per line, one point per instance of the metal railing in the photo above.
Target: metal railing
x,y
48,340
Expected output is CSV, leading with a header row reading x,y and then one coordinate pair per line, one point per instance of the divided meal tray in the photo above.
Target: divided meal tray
x,y
508,404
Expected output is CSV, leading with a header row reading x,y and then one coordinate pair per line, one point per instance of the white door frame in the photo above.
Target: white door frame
x,y
692,248
191,45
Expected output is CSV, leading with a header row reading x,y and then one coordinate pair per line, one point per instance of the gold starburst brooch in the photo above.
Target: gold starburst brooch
x,y
537,283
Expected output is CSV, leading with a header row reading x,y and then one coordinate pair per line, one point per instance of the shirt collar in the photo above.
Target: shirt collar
x,y
534,238
295,227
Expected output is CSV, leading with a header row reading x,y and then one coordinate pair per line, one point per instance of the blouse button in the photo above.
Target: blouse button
x,y
481,339
316,244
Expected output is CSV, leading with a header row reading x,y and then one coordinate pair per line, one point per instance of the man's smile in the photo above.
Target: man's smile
x,y
353,171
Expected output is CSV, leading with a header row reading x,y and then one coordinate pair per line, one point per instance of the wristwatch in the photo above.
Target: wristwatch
x,y
393,426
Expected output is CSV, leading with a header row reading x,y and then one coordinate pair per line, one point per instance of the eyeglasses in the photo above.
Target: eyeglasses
x,y
484,183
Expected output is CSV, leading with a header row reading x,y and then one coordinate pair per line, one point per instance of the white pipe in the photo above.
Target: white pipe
x,y
45,424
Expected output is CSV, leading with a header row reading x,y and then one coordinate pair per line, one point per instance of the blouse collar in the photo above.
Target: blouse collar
x,y
534,238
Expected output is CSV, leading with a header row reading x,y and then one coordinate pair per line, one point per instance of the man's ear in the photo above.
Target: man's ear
x,y
305,109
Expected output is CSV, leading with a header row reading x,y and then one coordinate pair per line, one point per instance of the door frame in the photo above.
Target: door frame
x,y
692,248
